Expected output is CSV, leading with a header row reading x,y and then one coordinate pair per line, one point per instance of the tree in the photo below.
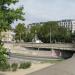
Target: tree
x,y
28,37
73,37
48,31
3,58
35,29
63,35
20,31
52,32
7,17
30,34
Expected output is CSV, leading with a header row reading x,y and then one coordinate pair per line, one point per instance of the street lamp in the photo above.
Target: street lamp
x,y
50,34
20,37
35,36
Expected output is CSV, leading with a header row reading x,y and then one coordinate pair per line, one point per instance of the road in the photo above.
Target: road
x,y
66,67
21,58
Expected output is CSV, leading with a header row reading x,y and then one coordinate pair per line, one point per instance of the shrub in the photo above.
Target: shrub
x,y
8,67
14,66
3,58
5,67
25,65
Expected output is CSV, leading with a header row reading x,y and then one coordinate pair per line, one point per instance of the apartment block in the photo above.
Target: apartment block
x,y
68,23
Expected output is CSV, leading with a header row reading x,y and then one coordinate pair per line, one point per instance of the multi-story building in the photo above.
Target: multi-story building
x,y
68,23
34,24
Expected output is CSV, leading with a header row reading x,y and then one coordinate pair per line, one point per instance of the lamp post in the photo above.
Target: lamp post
x,y
20,37
50,35
35,36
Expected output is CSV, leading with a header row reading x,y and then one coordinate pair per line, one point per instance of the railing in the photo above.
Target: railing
x,y
47,45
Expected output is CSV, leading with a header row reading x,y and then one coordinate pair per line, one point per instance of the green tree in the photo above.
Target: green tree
x,y
63,35
52,32
7,17
48,31
20,31
73,37
28,37
3,57
30,34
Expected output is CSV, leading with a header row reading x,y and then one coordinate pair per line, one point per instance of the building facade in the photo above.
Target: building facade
x,y
34,24
69,24
7,36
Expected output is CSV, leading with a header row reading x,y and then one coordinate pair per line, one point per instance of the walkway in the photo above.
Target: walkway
x,y
64,68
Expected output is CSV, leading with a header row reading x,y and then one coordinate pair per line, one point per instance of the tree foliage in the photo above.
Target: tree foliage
x,y
20,31
46,29
51,30
3,52
34,30
7,17
63,35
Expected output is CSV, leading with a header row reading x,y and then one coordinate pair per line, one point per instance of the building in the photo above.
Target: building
x,y
68,23
7,36
34,24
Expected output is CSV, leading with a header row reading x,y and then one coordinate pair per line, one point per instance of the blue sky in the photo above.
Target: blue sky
x,y
46,10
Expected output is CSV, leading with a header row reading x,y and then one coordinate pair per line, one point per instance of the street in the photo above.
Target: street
x,y
22,58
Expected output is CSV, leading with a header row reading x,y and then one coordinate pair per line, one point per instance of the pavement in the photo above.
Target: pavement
x,y
66,67
33,68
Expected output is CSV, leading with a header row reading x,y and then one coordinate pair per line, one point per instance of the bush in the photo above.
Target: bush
x,y
8,67
5,67
25,65
14,66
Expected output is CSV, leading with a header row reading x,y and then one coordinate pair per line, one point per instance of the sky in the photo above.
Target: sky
x,y
46,10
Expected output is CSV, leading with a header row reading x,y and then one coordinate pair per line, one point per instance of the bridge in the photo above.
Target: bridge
x,y
65,50
64,46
